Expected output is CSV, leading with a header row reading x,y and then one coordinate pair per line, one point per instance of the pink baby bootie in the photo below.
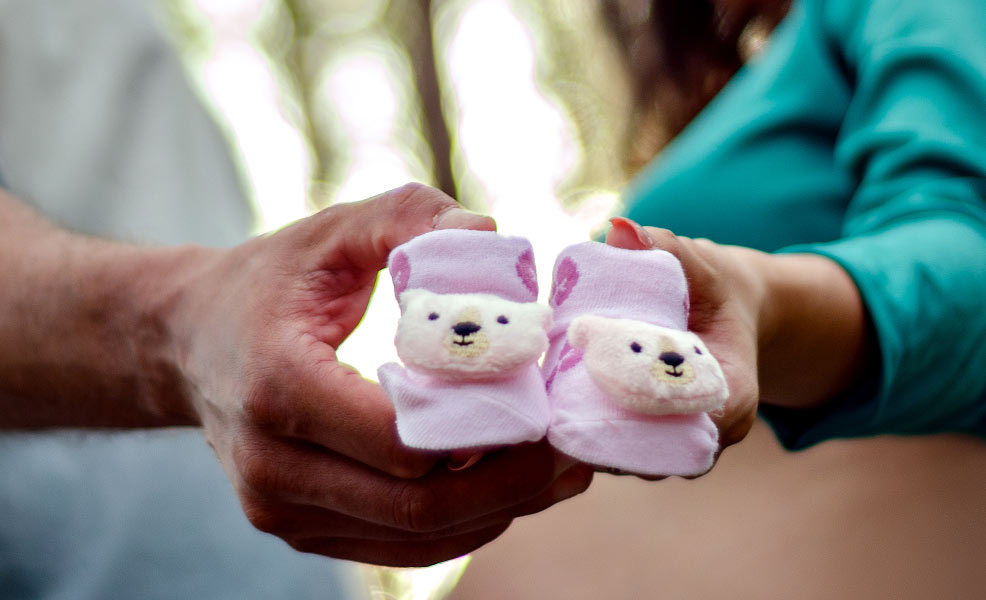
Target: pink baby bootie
x,y
629,387
470,336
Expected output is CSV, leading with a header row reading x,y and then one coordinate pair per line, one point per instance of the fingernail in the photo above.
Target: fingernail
x,y
572,483
455,217
455,465
563,463
635,228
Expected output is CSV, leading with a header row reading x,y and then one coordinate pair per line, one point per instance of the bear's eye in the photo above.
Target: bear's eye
x,y
433,317
502,320
697,351
635,347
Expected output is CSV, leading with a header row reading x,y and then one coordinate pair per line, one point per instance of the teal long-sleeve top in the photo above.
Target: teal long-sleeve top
x,y
858,133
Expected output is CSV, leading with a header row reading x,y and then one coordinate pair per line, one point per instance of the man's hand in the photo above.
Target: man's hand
x,y
101,334
309,445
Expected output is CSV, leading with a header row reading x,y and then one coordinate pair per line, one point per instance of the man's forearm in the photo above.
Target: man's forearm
x,y
81,339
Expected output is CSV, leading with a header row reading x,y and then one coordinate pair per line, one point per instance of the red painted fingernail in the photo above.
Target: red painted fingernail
x,y
452,466
624,223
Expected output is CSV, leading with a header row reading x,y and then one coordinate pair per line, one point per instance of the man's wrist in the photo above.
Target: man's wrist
x,y
156,284
85,339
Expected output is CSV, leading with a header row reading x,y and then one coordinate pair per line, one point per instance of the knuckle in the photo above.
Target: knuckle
x,y
256,469
416,192
263,404
411,511
737,430
262,516
417,200
666,240
405,464
309,546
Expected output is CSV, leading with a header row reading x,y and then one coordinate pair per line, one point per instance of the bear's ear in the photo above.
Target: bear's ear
x,y
407,297
400,271
583,329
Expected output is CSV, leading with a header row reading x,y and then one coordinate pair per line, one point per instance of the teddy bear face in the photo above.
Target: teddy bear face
x,y
647,368
469,336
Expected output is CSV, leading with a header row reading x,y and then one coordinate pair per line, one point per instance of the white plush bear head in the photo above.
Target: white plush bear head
x,y
469,336
647,368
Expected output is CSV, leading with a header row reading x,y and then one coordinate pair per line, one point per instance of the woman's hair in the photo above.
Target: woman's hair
x,y
696,52
681,56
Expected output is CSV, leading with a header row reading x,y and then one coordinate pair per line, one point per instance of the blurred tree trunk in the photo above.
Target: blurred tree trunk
x,y
413,24
300,68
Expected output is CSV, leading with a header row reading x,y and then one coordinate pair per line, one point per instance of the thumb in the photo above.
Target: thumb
x,y
630,235
365,232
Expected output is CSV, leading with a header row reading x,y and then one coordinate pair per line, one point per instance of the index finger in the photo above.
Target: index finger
x,y
331,405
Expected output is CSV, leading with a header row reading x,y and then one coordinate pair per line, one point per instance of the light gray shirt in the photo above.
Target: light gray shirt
x,y
99,130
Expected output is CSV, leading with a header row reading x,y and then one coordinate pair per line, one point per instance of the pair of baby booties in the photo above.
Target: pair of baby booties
x,y
624,386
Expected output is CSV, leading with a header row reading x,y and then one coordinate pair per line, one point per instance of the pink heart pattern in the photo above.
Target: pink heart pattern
x,y
400,271
566,278
569,357
527,271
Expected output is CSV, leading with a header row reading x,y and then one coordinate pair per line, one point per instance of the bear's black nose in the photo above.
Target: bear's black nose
x,y
672,359
465,328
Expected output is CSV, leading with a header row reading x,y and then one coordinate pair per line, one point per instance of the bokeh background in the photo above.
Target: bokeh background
x,y
526,110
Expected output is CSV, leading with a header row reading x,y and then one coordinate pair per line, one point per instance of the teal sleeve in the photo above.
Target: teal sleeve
x,y
914,239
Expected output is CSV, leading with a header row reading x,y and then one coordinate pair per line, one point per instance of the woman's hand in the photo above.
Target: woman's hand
x,y
787,329
725,296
